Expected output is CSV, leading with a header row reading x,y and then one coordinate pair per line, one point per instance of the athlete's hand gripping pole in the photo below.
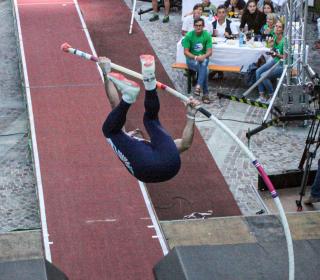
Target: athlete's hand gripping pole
x,y
67,48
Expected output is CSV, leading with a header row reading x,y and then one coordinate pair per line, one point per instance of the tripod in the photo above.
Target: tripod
x,y
307,157
313,136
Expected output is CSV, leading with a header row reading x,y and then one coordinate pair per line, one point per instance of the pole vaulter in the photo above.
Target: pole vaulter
x,y
68,49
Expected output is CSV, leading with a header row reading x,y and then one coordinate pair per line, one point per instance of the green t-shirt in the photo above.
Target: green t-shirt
x,y
197,44
279,48
265,27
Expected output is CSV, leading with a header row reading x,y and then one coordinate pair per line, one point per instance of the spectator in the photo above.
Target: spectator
x,y
222,29
277,54
208,8
315,189
261,3
155,8
222,26
252,17
268,28
188,21
268,8
235,6
197,49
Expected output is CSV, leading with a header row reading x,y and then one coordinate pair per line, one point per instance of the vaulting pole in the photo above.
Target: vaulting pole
x,y
67,48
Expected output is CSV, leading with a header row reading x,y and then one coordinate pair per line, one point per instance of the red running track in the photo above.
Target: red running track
x,y
96,215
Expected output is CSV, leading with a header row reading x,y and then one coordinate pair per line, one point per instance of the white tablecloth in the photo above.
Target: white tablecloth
x,y
187,5
230,55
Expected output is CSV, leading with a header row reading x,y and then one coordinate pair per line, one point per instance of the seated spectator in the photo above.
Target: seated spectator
x,y
155,8
268,8
235,6
197,46
222,26
277,54
222,29
208,8
188,21
252,17
268,28
261,3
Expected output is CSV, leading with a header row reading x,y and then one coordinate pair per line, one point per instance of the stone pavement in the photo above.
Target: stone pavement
x,y
18,199
276,148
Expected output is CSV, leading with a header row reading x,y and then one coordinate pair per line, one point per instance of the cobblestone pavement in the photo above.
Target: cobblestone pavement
x,y
277,148
18,199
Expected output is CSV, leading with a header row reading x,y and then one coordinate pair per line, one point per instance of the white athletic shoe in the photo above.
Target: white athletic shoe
x,y
148,68
129,89
261,99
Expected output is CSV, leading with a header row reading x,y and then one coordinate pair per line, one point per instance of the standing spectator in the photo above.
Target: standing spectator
x,y
252,17
315,189
155,8
268,28
235,6
277,54
208,8
188,21
197,49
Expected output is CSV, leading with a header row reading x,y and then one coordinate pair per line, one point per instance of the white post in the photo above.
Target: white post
x,y
132,15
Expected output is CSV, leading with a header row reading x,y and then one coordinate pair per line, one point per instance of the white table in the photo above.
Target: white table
x,y
187,5
228,55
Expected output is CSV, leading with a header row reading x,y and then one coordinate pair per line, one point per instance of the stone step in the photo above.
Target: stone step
x,y
240,229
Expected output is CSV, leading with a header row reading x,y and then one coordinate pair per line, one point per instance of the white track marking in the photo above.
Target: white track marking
x,y
46,3
101,221
151,211
44,225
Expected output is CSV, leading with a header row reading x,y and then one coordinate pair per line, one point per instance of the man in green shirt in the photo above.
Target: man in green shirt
x,y
197,49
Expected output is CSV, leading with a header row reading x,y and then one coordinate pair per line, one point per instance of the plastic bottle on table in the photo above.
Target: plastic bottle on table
x,y
210,16
241,39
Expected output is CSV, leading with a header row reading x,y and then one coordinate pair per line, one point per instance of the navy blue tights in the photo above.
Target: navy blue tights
x,y
150,162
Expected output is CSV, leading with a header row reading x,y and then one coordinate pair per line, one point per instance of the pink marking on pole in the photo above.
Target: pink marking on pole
x,y
161,85
147,59
265,178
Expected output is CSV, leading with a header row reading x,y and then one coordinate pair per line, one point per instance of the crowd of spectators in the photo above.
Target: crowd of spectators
x,y
256,20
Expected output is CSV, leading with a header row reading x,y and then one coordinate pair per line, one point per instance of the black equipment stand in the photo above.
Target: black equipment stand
x,y
313,137
174,3
308,156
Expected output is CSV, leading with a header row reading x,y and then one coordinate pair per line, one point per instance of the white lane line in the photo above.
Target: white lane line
x,y
101,221
146,197
154,219
44,226
46,3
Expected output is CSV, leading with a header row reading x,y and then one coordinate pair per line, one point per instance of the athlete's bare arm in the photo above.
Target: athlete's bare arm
x,y
184,143
110,89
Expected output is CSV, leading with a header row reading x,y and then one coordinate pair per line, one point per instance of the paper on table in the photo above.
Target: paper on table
x,y
217,40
